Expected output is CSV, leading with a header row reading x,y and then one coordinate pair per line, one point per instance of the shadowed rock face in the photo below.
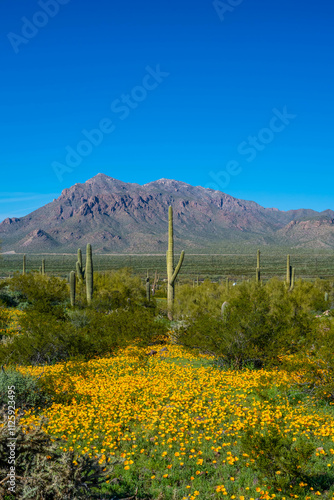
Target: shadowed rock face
x,y
123,217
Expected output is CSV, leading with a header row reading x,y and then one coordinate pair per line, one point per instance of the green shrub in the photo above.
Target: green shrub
x,y
316,363
10,298
43,340
42,293
262,322
278,459
204,299
83,334
28,393
113,289
311,296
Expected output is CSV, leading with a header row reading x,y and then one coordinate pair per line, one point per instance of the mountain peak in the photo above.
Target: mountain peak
x,y
121,217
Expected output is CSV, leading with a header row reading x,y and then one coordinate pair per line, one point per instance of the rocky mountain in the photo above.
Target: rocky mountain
x,y
119,217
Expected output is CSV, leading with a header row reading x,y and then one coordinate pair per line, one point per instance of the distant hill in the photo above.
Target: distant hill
x,y
119,217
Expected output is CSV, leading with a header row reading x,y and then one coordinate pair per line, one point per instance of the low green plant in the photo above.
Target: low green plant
x,y
10,298
28,393
278,459
42,471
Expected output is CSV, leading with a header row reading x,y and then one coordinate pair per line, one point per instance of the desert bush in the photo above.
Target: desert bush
x,y
261,323
311,296
278,458
113,289
42,471
42,293
28,393
204,299
8,297
45,339
315,363
122,328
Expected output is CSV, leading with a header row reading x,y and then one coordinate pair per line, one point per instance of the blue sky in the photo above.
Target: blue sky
x,y
237,98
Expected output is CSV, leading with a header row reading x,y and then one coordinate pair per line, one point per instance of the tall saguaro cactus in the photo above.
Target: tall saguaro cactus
x,y
155,282
43,267
148,289
288,272
24,264
171,272
292,285
72,287
89,274
258,272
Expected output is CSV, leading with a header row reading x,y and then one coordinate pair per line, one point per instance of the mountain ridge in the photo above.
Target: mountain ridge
x,y
116,216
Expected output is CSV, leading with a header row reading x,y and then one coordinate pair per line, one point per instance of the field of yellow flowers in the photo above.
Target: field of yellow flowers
x,y
176,422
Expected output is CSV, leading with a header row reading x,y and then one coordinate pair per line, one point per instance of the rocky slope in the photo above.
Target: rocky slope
x,y
121,217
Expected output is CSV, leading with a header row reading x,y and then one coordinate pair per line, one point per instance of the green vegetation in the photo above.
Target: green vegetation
x,y
171,272
89,274
43,471
308,264
244,365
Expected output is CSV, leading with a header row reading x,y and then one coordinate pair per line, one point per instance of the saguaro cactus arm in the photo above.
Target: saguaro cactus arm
x,y
177,269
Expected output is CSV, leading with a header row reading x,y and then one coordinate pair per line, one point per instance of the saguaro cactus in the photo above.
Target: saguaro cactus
x,y
24,264
155,282
224,311
79,268
43,267
148,289
326,296
288,272
258,272
171,272
89,274
72,287
292,279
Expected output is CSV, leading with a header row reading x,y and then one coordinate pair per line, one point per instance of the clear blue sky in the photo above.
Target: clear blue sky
x,y
201,88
